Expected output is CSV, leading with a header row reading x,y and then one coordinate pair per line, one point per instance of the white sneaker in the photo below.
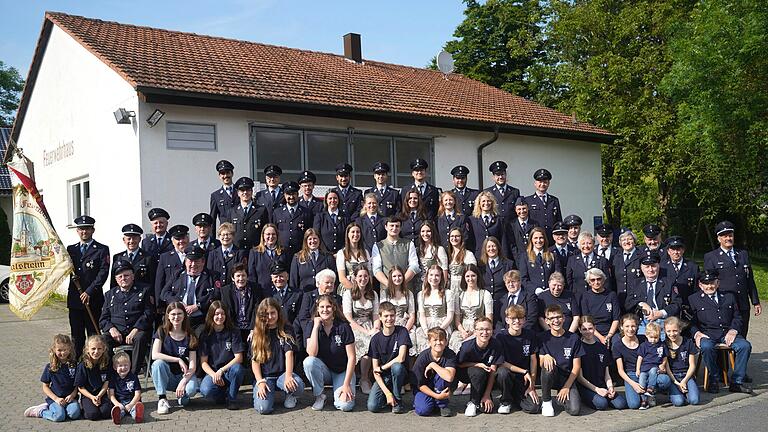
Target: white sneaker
x,y
319,403
35,411
505,408
365,387
547,409
290,401
471,410
163,406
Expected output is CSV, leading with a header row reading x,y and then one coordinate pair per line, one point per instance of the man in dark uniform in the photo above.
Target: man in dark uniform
x,y
652,239
505,195
573,224
716,320
604,247
312,204
195,287
430,195
651,299
248,217
144,264
465,196
271,197
288,297
626,265
291,220
202,223
544,208
678,271
560,236
519,229
91,261
170,264
351,198
387,196
126,318
158,242
223,199
735,272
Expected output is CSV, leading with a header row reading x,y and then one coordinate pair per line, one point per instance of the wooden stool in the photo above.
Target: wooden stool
x,y
727,363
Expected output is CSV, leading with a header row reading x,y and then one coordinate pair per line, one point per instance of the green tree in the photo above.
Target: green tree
x,y
10,86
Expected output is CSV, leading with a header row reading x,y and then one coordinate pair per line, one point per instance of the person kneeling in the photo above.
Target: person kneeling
x,y
388,351
435,372
516,377
221,357
478,360
561,353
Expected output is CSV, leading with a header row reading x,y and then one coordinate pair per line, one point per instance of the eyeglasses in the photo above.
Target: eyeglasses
x,y
555,318
595,279
484,330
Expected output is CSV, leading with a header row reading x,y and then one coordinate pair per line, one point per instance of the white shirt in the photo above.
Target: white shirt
x,y
413,258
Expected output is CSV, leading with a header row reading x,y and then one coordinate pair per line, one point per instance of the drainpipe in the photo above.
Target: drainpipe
x,y
480,156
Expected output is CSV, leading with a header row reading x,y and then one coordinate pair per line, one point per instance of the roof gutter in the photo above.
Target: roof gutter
x,y
480,155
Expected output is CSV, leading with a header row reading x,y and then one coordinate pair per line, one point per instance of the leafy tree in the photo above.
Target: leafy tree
x,y
10,86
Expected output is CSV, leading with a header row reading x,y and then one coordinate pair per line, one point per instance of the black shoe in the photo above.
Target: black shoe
x,y
399,409
713,387
740,388
747,379
232,405
446,412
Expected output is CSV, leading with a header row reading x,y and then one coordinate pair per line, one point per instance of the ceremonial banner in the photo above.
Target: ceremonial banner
x,y
39,262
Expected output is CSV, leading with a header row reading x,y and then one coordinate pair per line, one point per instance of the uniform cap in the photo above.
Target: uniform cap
x,y
460,171
278,267
572,220
604,230
84,221
675,242
709,275
290,187
497,167
202,219
132,229
724,227
244,183
559,227
381,167
273,171
307,177
121,265
157,213
194,252
224,165
650,257
651,230
542,174
343,169
419,164
178,231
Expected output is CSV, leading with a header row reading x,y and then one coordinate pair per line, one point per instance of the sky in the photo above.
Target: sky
x,y
401,32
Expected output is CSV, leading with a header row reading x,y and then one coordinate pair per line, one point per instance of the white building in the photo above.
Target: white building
x,y
255,105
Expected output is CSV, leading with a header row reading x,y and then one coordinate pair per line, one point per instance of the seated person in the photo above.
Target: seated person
x,y
517,375
478,360
388,352
561,353
435,372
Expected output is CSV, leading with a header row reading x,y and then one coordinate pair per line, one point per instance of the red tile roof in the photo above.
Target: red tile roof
x,y
197,64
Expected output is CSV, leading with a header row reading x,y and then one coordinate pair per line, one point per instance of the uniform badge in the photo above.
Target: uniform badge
x,y
217,284
89,264
257,224
103,377
567,353
568,305
390,205
228,346
182,350
601,357
660,351
129,385
609,307
526,350
72,372
337,339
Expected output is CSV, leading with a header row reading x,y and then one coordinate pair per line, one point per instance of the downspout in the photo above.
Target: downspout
x,y
480,156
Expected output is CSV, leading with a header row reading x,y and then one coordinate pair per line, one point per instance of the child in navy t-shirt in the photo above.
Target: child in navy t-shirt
x,y
651,359
125,390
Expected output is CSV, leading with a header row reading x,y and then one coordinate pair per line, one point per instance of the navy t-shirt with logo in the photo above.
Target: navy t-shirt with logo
x,y
384,348
124,388
275,366
652,353
62,381
563,348
221,347
448,360
678,358
567,302
627,355
517,350
174,348
603,307
91,379
596,359
332,347
470,352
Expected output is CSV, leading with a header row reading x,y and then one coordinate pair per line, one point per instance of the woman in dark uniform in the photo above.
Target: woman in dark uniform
x,y
485,222
413,215
330,224
626,265
262,256
537,263
494,265
308,262
449,216
372,223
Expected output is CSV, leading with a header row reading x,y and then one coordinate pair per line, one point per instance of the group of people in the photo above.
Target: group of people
x,y
446,292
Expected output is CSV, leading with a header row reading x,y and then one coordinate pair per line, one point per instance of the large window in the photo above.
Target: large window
x,y
79,197
320,151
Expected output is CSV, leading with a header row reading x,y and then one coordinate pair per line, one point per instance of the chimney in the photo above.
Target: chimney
x,y
352,47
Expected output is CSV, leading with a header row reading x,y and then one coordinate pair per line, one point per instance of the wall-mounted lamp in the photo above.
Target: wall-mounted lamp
x,y
155,118
123,116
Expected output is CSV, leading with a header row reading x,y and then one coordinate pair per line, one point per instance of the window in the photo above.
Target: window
x,y
79,197
320,151
188,136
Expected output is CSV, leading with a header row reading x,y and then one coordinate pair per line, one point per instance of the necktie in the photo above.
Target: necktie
x,y
83,247
333,218
523,226
226,252
733,257
413,216
587,261
562,252
189,298
203,245
677,267
539,260
131,256
381,192
450,217
159,240
487,220
274,195
652,294
290,211
246,209
602,252
493,264
461,192
271,253
626,257
501,190
344,193
544,199
421,189
229,190
714,298
314,257
373,220
512,299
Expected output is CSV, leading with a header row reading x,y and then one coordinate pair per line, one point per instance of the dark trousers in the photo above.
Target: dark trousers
x,y
139,350
79,325
513,389
93,412
478,378
745,321
554,380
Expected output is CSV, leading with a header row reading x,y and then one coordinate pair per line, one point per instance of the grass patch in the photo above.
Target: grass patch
x,y
57,300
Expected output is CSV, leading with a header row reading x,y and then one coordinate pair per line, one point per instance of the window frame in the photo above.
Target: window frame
x,y
85,205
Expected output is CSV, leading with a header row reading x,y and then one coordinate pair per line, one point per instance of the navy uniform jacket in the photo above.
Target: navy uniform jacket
x,y
445,225
168,268
626,274
661,249
210,246
222,204
562,257
127,310
313,207
465,199
431,198
734,278
574,271
546,214
228,293
410,228
351,203
714,319
290,229
264,199
248,225
206,290
144,267
290,301
258,268
608,254
150,246
666,297
481,231
92,269
526,299
331,234
222,264
686,281
371,233
302,274
518,240
494,279
536,274
389,201
505,204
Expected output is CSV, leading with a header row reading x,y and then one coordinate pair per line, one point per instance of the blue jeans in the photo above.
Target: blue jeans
x,y
600,403
266,406
57,413
233,378
649,379
679,398
741,348
633,399
164,380
133,409
394,379
318,375
424,405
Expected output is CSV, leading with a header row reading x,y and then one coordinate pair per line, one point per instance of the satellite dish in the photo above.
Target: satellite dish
x,y
445,62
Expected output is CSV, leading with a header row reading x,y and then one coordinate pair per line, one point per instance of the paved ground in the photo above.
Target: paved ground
x,y
24,354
